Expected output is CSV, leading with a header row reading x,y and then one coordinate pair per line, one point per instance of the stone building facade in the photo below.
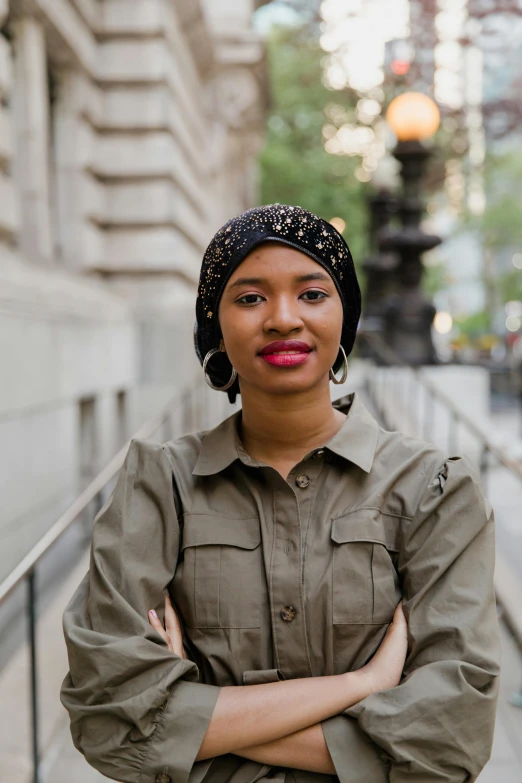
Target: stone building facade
x,y
129,132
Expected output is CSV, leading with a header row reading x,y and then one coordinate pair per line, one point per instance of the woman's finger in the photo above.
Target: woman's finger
x,y
173,627
158,626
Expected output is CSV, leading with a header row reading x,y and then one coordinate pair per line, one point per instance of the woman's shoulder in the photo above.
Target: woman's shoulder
x,y
179,452
183,452
416,454
415,467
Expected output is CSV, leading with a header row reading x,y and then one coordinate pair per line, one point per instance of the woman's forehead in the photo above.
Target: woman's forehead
x,y
274,257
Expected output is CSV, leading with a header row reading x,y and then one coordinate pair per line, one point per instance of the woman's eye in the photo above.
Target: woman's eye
x,y
314,296
250,299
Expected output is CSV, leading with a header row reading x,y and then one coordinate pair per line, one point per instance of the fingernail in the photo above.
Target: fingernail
x,y
153,613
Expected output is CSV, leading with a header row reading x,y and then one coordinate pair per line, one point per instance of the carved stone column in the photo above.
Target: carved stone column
x,y
9,211
237,100
32,120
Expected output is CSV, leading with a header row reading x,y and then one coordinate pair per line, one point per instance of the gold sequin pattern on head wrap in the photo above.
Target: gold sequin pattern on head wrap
x,y
290,223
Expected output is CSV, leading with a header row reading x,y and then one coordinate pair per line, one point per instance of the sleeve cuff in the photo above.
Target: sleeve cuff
x,y
178,735
355,756
253,677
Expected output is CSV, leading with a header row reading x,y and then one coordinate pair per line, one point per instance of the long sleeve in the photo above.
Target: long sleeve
x,y
137,711
438,724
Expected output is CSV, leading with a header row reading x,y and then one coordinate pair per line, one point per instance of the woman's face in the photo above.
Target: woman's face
x,y
281,320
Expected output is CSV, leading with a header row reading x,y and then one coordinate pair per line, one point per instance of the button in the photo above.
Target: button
x,y
163,778
318,453
288,613
302,481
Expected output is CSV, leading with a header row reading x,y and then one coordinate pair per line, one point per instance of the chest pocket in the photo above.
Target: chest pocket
x,y
219,582
365,584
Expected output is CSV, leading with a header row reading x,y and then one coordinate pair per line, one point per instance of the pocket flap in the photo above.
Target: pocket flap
x,y
203,529
367,524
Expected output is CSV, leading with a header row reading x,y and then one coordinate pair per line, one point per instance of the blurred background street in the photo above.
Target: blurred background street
x,y
130,131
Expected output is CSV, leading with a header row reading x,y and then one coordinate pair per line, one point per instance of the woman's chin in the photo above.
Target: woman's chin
x,y
288,383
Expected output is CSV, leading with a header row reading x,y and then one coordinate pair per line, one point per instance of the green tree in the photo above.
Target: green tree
x,y
295,167
474,325
509,286
501,224
435,279
500,227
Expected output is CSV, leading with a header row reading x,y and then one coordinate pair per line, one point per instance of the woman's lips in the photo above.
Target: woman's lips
x,y
288,359
286,353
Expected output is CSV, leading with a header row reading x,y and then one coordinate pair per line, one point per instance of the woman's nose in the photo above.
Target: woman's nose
x,y
283,316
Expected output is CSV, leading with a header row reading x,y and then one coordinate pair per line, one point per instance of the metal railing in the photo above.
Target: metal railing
x,y
424,391
420,395
186,411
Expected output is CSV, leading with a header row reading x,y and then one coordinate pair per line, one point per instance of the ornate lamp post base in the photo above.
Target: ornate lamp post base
x,y
407,314
379,268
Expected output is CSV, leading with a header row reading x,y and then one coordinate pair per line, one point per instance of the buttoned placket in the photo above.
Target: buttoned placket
x,y
293,501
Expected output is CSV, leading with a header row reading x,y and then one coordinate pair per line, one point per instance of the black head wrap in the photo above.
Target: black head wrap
x,y
292,226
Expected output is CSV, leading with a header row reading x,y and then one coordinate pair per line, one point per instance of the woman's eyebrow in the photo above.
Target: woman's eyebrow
x,y
241,281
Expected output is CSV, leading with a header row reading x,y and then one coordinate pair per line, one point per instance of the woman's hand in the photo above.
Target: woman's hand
x,y
172,632
385,668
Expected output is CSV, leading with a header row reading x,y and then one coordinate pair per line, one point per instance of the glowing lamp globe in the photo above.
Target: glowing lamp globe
x,y
413,116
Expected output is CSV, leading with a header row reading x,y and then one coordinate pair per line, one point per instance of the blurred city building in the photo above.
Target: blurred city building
x,y
129,132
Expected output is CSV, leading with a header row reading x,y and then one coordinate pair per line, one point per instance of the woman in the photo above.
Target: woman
x,y
285,539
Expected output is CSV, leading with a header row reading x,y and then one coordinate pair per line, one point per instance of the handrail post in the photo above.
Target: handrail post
x,y
31,616
453,435
98,503
484,466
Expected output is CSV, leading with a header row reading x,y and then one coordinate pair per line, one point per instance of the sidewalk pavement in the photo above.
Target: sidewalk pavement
x,y
62,763
505,490
505,765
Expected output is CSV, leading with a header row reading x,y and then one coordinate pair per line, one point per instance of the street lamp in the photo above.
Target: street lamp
x,y
408,315
413,116
379,268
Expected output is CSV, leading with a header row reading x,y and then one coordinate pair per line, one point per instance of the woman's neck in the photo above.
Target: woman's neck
x,y
280,430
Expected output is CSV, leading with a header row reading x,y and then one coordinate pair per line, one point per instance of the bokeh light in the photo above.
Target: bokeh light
x,y
413,116
443,323
338,223
354,36
514,309
513,323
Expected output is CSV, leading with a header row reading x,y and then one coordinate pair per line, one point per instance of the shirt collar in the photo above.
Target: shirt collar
x,y
356,441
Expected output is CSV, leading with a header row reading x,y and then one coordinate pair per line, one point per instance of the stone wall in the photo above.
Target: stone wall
x,y
129,131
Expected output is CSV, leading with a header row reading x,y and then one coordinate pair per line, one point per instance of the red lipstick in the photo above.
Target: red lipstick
x,y
286,353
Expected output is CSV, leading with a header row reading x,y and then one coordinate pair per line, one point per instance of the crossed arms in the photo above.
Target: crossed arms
x,y
280,723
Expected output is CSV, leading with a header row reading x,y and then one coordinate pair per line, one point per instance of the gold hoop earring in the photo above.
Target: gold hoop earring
x,y
344,376
233,377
